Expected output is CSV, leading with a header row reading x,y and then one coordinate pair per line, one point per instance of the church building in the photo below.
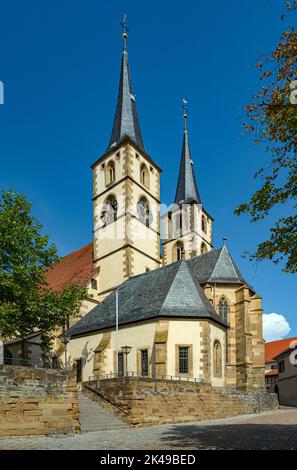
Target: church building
x,y
184,310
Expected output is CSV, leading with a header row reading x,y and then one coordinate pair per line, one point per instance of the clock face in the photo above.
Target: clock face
x,y
109,211
144,213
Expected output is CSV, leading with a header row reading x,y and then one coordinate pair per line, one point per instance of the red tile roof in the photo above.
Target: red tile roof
x,y
274,348
268,373
75,268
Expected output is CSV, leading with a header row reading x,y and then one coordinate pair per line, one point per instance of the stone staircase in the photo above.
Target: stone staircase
x,y
93,417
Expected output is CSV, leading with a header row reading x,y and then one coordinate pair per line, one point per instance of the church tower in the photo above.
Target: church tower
x,y
187,227
126,196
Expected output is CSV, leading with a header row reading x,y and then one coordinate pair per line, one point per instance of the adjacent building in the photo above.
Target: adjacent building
x,y
281,369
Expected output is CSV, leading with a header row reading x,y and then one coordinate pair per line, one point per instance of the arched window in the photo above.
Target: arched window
x,y
223,309
110,209
143,211
203,248
109,173
144,175
181,222
178,251
203,224
217,359
178,222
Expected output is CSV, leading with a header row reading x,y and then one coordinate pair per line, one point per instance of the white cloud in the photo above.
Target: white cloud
x,y
275,326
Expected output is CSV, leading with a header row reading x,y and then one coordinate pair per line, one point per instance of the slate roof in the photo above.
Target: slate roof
x,y
126,123
171,291
75,268
187,189
216,266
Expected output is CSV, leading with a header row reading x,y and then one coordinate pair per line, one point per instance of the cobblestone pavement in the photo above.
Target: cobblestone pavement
x,y
271,430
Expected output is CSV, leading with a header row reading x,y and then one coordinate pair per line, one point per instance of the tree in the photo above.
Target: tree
x,y
271,118
26,302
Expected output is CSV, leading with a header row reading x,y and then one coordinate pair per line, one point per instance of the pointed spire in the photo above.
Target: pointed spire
x,y
126,122
187,190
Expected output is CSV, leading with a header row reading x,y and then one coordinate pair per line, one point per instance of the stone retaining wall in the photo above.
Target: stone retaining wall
x,y
147,401
37,401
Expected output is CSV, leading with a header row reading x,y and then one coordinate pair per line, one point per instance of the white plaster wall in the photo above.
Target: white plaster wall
x,y
153,172
183,332
138,336
141,262
83,348
142,335
207,237
99,174
111,271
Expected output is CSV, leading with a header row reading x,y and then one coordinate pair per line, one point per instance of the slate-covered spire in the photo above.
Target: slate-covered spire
x,y
126,122
187,190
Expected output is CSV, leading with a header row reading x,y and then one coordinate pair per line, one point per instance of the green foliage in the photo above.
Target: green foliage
x,y
272,120
26,302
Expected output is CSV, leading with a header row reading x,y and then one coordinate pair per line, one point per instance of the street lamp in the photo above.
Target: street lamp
x,y
126,350
65,340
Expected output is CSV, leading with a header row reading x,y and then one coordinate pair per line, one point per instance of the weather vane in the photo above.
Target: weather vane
x,y
185,107
125,29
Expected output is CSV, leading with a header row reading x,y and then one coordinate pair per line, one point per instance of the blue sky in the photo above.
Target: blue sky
x,y
59,62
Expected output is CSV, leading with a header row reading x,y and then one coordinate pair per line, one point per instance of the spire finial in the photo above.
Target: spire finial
x,y
185,108
125,31
225,241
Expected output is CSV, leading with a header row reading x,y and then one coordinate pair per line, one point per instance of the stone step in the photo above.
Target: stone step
x,y
93,417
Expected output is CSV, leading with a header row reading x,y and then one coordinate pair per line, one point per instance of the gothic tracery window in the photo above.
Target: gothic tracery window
x,y
223,309
217,359
109,211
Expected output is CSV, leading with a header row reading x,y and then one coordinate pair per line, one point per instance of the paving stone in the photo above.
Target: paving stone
x,y
270,430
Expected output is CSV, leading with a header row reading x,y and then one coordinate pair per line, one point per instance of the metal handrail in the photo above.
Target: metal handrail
x,y
127,374
33,363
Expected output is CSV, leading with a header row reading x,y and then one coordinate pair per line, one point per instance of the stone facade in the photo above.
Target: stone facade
x,y
245,345
146,401
194,239
126,243
161,338
37,401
